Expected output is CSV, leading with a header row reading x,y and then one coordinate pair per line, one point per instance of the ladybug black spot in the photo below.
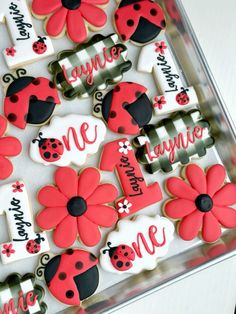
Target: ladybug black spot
x,y
70,251
130,23
119,264
126,254
127,264
115,257
79,265
69,294
12,117
123,37
62,276
117,88
44,147
116,16
52,140
112,114
137,7
50,99
121,129
123,247
51,85
36,81
47,155
55,155
14,98
33,98
153,12
54,145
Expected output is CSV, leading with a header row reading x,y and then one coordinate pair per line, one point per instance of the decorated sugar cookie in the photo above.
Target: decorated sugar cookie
x,y
20,294
157,58
148,239
118,156
173,141
139,20
202,203
126,108
9,147
27,45
24,242
70,277
78,204
91,66
68,139
74,17
28,100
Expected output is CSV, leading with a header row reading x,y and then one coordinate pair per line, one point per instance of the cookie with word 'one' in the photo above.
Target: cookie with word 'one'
x,y
20,294
139,20
202,203
173,141
9,147
91,66
75,17
77,205
71,277
148,239
68,139
126,108
28,100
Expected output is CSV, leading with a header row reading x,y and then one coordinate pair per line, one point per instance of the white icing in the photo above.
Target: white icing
x,y
131,228
59,127
20,223
167,77
23,35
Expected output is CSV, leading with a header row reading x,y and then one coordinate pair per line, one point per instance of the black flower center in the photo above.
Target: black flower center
x,y
204,203
76,206
71,4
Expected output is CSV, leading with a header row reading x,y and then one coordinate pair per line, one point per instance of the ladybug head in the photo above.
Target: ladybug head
x,y
111,251
41,140
184,90
39,239
41,39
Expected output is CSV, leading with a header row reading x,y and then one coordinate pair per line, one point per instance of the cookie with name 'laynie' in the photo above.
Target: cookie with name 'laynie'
x,y
27,45
68,139
24,241
126,108
20,294
91,66
148,239
173,141
28,100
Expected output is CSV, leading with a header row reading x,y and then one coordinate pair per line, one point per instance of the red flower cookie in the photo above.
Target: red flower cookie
x,y
75,16
9,146
76,205
203,203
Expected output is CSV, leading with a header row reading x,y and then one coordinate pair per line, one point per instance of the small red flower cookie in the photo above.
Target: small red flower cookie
x,y
202,203
9,146
77,205
75,16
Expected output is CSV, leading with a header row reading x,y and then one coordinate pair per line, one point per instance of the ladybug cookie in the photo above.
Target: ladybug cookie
x,y
182,98
29,99
33,246
139,20
70,277
39,46
126,108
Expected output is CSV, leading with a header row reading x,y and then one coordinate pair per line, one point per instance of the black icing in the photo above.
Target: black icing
x,y
76,206
106,105
145,32
204,203
18,85
127,2
71,4
39,111
51,268
87,282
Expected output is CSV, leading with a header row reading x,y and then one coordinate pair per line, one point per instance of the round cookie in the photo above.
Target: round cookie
x,y
75,17
140,21
202,202
78,204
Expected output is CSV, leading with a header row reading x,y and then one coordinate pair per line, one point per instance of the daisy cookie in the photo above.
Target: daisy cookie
x,y
75,17
78,204
202,203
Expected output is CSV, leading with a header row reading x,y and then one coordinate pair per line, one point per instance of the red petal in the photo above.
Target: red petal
x,y
93,15
211,230
105,193
76,29
50,217
191,225
226,196
196,177
10,146
88,182
178,188
215,178
102,215
50,196
67,181
66,232
179,208
225,215
56,22
6,168
3,125
45,7
88,231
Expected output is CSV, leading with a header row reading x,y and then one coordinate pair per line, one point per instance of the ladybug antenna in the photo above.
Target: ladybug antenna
x,y
7,78
107,250
39,239
185,89
20,72
109,245
38,140
41,39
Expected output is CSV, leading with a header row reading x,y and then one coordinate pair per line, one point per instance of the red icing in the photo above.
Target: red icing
x,y
123,254
128,13
75,21
23,304
185,208
57,212
137,193
9,146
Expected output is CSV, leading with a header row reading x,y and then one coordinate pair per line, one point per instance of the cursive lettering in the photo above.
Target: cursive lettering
x,y
23,304
170,77
21,25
